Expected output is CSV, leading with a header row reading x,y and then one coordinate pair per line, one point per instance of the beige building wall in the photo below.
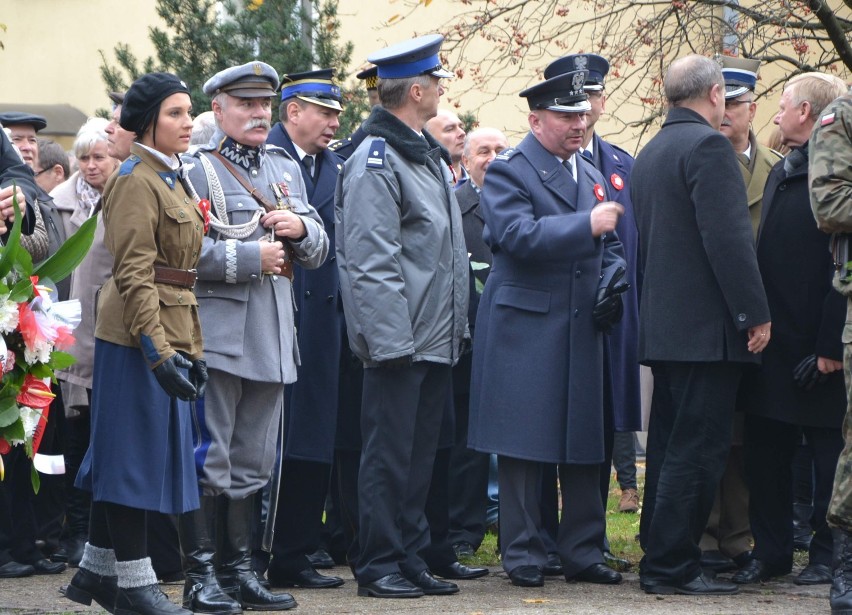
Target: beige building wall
x,y
51,48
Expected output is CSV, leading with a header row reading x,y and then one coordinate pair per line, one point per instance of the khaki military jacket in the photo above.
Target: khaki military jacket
x,y
755,176
149,220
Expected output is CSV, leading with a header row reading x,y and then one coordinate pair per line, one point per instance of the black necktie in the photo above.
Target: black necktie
x,y
587,154
567,164
572,184
308,161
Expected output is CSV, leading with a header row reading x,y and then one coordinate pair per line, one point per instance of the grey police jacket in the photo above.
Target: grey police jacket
x,y
400,248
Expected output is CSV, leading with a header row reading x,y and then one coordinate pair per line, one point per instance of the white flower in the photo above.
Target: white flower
x,y
8,315
39,354
30,418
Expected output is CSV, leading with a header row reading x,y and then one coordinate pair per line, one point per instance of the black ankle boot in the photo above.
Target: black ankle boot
x,y
86,586
235,571
840,596
201,590
146,600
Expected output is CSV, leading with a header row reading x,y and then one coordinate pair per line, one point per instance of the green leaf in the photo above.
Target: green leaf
x,y
13,243
61,360
40,370
35,479
15,431
9,412
21,291
70,254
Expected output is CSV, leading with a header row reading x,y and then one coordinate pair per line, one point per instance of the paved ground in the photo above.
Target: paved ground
x,y
490,595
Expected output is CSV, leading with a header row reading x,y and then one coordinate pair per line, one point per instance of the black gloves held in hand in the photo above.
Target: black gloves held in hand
x,y
608,307
172,381
807,375
198,376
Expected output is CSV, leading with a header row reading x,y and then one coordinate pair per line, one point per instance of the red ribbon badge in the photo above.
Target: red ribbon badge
x,y
616,181
599,192
204,206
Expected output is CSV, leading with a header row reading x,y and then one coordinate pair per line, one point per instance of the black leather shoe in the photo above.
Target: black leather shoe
x,y
432,586
757,571
553,567
717,561
526,576
45,566
86,586
702,585
742,560
321,559
392,585
597,573
814,574
459,571
147,600
616,563
307,578
463,549
14,570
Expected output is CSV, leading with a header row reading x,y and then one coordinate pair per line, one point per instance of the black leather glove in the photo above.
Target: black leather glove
x,y
169,377
609,307
398,363
807,375
466,346
198,376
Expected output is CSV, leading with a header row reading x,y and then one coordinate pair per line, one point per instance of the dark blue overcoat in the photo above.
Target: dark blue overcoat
x,y
615,165
537,385
310,409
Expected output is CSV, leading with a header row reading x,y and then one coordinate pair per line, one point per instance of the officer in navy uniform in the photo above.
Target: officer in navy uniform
x,y
404,284
309,110
553,290
623,413
261,225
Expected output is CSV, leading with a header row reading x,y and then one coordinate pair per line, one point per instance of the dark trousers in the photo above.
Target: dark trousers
x,y
439,552
689,437
401,416
298,521
581,526
624,459
770,447
468,470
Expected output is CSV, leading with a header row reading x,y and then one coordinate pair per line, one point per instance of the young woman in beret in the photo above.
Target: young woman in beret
x,y
148,356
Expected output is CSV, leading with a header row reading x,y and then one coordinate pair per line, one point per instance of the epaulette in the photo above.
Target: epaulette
x,y
126,167
376,157
341,143
506,154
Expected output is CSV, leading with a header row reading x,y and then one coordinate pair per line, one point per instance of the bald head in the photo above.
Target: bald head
x,y
481,147
448,130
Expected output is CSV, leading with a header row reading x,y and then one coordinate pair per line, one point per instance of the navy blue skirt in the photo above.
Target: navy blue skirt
x,y
140,454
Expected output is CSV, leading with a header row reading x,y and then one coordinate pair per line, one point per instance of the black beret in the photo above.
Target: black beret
x,y
144,96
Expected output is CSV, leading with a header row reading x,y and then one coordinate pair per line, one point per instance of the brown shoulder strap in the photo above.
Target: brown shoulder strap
x,y
267,204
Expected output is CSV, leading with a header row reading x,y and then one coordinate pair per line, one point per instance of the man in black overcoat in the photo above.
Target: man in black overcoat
x,y
799,388
703,317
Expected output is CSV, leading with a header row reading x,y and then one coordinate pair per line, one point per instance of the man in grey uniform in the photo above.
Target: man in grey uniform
x,y
260,225
404,284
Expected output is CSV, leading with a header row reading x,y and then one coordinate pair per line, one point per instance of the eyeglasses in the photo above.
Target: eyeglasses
x,y
37,173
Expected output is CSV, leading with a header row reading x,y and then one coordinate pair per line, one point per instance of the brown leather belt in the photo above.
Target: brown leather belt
x,y
286,270
176,277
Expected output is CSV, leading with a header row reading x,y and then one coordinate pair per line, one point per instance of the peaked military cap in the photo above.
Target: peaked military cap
x,y
740,75
596,65
13,118
418,56
370,76
250,80
563,93
313,86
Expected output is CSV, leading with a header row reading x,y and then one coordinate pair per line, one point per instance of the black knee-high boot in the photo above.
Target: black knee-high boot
x,y
201,590
236,519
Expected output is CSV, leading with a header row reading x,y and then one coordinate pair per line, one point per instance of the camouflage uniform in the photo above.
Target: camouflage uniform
x,y
830,175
